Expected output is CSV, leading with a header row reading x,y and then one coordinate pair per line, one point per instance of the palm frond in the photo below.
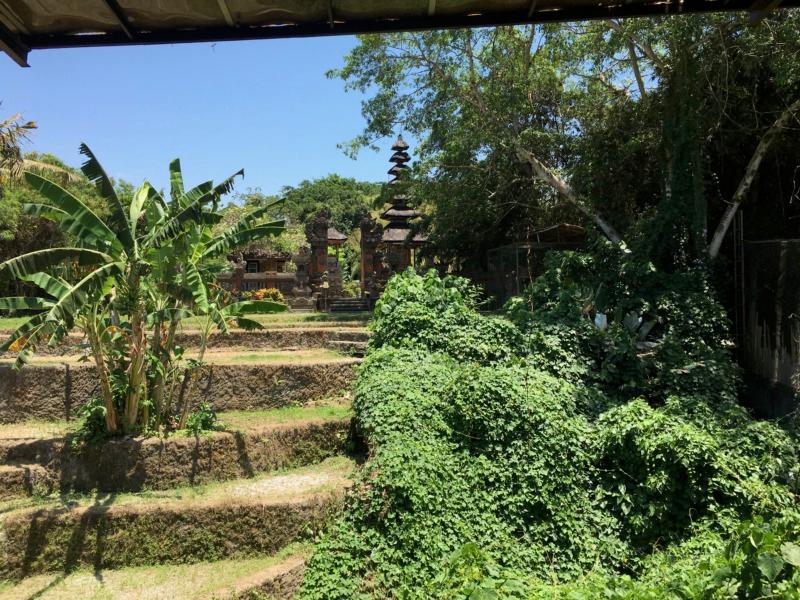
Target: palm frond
x,y
175,181
61,173
39,260
225,186
53,286
24,303
97,175
95,232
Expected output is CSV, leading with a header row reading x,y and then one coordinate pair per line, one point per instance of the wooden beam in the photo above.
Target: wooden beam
x,y
121,17
532,8
226,12
330,13
322,27
431,7
13,46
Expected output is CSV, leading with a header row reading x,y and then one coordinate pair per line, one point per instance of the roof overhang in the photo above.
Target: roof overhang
x,y
36,24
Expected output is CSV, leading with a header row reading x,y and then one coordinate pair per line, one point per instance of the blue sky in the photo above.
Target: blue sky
x,y
262,105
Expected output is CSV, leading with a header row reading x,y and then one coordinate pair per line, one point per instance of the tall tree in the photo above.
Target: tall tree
x,y
578,119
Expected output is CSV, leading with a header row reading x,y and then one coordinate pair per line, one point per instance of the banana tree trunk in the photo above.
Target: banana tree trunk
x,y
112,423
136,371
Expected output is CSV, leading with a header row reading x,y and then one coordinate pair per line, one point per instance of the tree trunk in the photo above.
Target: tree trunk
x,y
565,189
102,371
135,371
749,175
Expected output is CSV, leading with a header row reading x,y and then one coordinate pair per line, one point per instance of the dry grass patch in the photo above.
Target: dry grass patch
x,y
242,420
219,579
291,485
220,357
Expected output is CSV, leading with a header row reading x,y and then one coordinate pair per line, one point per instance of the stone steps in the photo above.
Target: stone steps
x,y
349,305
237,519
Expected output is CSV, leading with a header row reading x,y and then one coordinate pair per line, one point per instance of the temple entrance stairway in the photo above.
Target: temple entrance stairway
x,y
340,305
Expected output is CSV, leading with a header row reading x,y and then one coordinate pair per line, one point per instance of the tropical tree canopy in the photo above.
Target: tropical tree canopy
x,y
605,121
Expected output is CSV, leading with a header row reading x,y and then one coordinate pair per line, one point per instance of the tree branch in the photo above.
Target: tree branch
x,y
565,189
749,175
634,60
645,47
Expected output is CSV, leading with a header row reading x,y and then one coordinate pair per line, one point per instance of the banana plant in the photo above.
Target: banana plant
x,y
141,266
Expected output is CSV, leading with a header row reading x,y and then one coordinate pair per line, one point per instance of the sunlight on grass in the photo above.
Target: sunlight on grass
x,y
35,429
276,486
311,354
277,320
245,420
170,582
220,357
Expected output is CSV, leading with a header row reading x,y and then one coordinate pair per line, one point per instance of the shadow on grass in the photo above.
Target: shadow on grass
x,y
46,521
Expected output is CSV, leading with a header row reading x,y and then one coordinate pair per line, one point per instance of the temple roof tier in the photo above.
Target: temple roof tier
x,y
400,144
400,157
399,213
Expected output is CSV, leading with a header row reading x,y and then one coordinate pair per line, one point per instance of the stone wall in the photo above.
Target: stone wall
x,y
135,464
54,392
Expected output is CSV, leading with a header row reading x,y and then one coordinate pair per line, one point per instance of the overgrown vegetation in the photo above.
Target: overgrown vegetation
x,y
542,456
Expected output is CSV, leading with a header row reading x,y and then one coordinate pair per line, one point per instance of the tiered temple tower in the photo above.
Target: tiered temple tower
x,y
398,246
390,248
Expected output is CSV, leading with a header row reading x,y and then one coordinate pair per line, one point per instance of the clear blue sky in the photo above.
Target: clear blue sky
x,y
262,105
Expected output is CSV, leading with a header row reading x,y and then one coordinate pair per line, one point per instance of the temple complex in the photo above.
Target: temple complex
x,y
312,277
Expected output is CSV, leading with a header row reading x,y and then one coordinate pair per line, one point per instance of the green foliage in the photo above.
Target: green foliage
x,y
92,424
470,573
637,115
136,268
202,420
345,197
514,474
666,334
438,314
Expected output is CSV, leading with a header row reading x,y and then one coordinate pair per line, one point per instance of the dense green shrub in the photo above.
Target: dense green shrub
x,y
666,334
439,315
437,476
510,471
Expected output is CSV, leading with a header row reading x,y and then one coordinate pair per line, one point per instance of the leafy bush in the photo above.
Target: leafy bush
x,y
508,470
439,314
92,424
666,334
203,420
273,294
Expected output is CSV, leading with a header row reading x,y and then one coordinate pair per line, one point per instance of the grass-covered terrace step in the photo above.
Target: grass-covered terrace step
x,y
276,577
54,388
273,337
36,462
235,519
